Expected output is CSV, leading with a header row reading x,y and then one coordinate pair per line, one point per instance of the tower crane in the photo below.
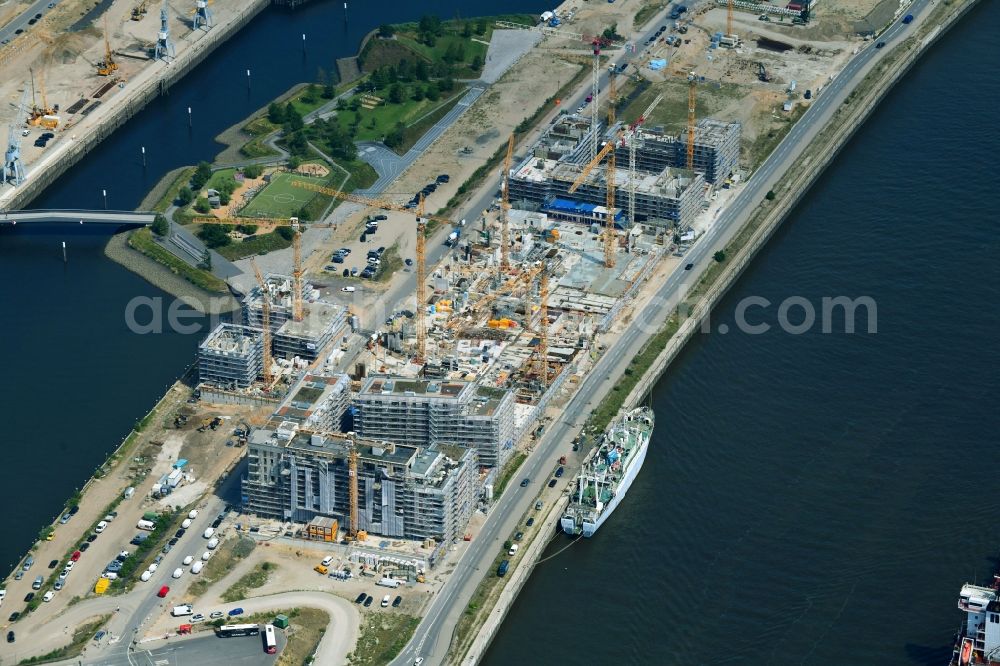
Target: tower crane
x,y
543,325
598,44
13,168
729,19
505,208
632,138
297,306
265,310
422,217
107,66
692,81
352,487
610,236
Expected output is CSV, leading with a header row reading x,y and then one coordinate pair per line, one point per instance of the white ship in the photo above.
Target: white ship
x,y
608,472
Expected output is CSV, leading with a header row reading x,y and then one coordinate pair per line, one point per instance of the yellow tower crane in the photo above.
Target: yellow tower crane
x,y
505,208
543,326
692,81
610,236
352,489
265,309
298,309
107,66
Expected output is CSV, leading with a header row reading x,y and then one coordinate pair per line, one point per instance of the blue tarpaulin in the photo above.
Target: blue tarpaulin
x,y
657,64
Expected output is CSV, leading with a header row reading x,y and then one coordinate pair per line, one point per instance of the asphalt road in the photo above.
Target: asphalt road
x,y
21,22
433,636
207,650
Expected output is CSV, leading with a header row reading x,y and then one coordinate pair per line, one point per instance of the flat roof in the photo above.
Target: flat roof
x,y
405,386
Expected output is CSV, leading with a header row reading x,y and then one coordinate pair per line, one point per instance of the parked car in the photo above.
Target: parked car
x,y
518,536
58,585
48,596
53,564
29,596
396,602
37,585
361,598
215,615
530,522
75,556
235,611
10,636
552,483
368,600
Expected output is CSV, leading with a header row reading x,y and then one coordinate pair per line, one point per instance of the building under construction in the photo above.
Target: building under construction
x,y
674,195
231,357
404,491
425,412
321,322
716,150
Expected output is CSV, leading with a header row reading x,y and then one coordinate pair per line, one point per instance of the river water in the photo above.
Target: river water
x,y
76,377
820,498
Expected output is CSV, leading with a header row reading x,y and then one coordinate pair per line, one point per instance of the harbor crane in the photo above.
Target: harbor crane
x,y
422,218
265,310
164,45
14,171
203,15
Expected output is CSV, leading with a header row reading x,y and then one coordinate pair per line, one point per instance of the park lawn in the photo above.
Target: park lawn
x,y
386,115
279,198
219,177
304,107
437,52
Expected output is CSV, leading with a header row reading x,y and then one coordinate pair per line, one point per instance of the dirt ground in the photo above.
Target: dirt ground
x,y
62,56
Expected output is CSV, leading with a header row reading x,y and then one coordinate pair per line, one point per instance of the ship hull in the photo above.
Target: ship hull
x,y
589,528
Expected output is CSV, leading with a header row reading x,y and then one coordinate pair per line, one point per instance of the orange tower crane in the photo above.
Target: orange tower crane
x,y
297,307
610,236
729,18
505,208
265,308
692,80
543,326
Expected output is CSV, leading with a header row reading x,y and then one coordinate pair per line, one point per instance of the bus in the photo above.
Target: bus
x,y
230,630
270,644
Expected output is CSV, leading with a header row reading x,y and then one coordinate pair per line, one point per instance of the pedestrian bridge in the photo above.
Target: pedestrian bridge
x,y
114,218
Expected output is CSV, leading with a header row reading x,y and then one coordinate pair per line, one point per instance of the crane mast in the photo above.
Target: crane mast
x,y
297,307
610,236
691,108
505,208
265,310
633,135
352,472
543,326
421,310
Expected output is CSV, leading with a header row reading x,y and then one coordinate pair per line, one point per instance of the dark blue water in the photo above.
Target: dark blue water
x,y
820,499
76,377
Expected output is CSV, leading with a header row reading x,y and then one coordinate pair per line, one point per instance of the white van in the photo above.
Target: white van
x,y
186,524
129,492
179,611
193,513
212,543
197,567
385,601
178,573
347,289
146,575
209,532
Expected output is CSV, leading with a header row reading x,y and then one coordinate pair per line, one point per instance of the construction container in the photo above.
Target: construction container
x,y
281,621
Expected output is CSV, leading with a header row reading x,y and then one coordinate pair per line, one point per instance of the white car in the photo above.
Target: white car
x,y
63,574
48,596
193,514
209,532
197,567
152,567
101,526
69,565
188,560
177,573
215,615
212,543
327,560
206,556
186,524
146,575
197,617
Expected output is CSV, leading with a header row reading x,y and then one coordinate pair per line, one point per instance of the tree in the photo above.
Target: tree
x,y
297,144
287,232
395,94
293,119
184,196
215,235
372,122
719,256
476,63
418,93
611,33
467,29
160,225
202,205
430,25
396,137
481,26
404,70
201,175
275,113
432,93
446,84
386,31
294,162
770,195
206,261
224,197
252,171
421,71
329,92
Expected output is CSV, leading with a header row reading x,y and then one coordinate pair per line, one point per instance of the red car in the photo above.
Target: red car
x,y
163,591
75,556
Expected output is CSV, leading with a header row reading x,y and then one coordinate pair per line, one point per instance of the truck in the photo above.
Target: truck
x,y
388,582
908,19
453,238
147,525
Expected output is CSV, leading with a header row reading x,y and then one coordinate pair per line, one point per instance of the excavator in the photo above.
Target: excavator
x,y
107,66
